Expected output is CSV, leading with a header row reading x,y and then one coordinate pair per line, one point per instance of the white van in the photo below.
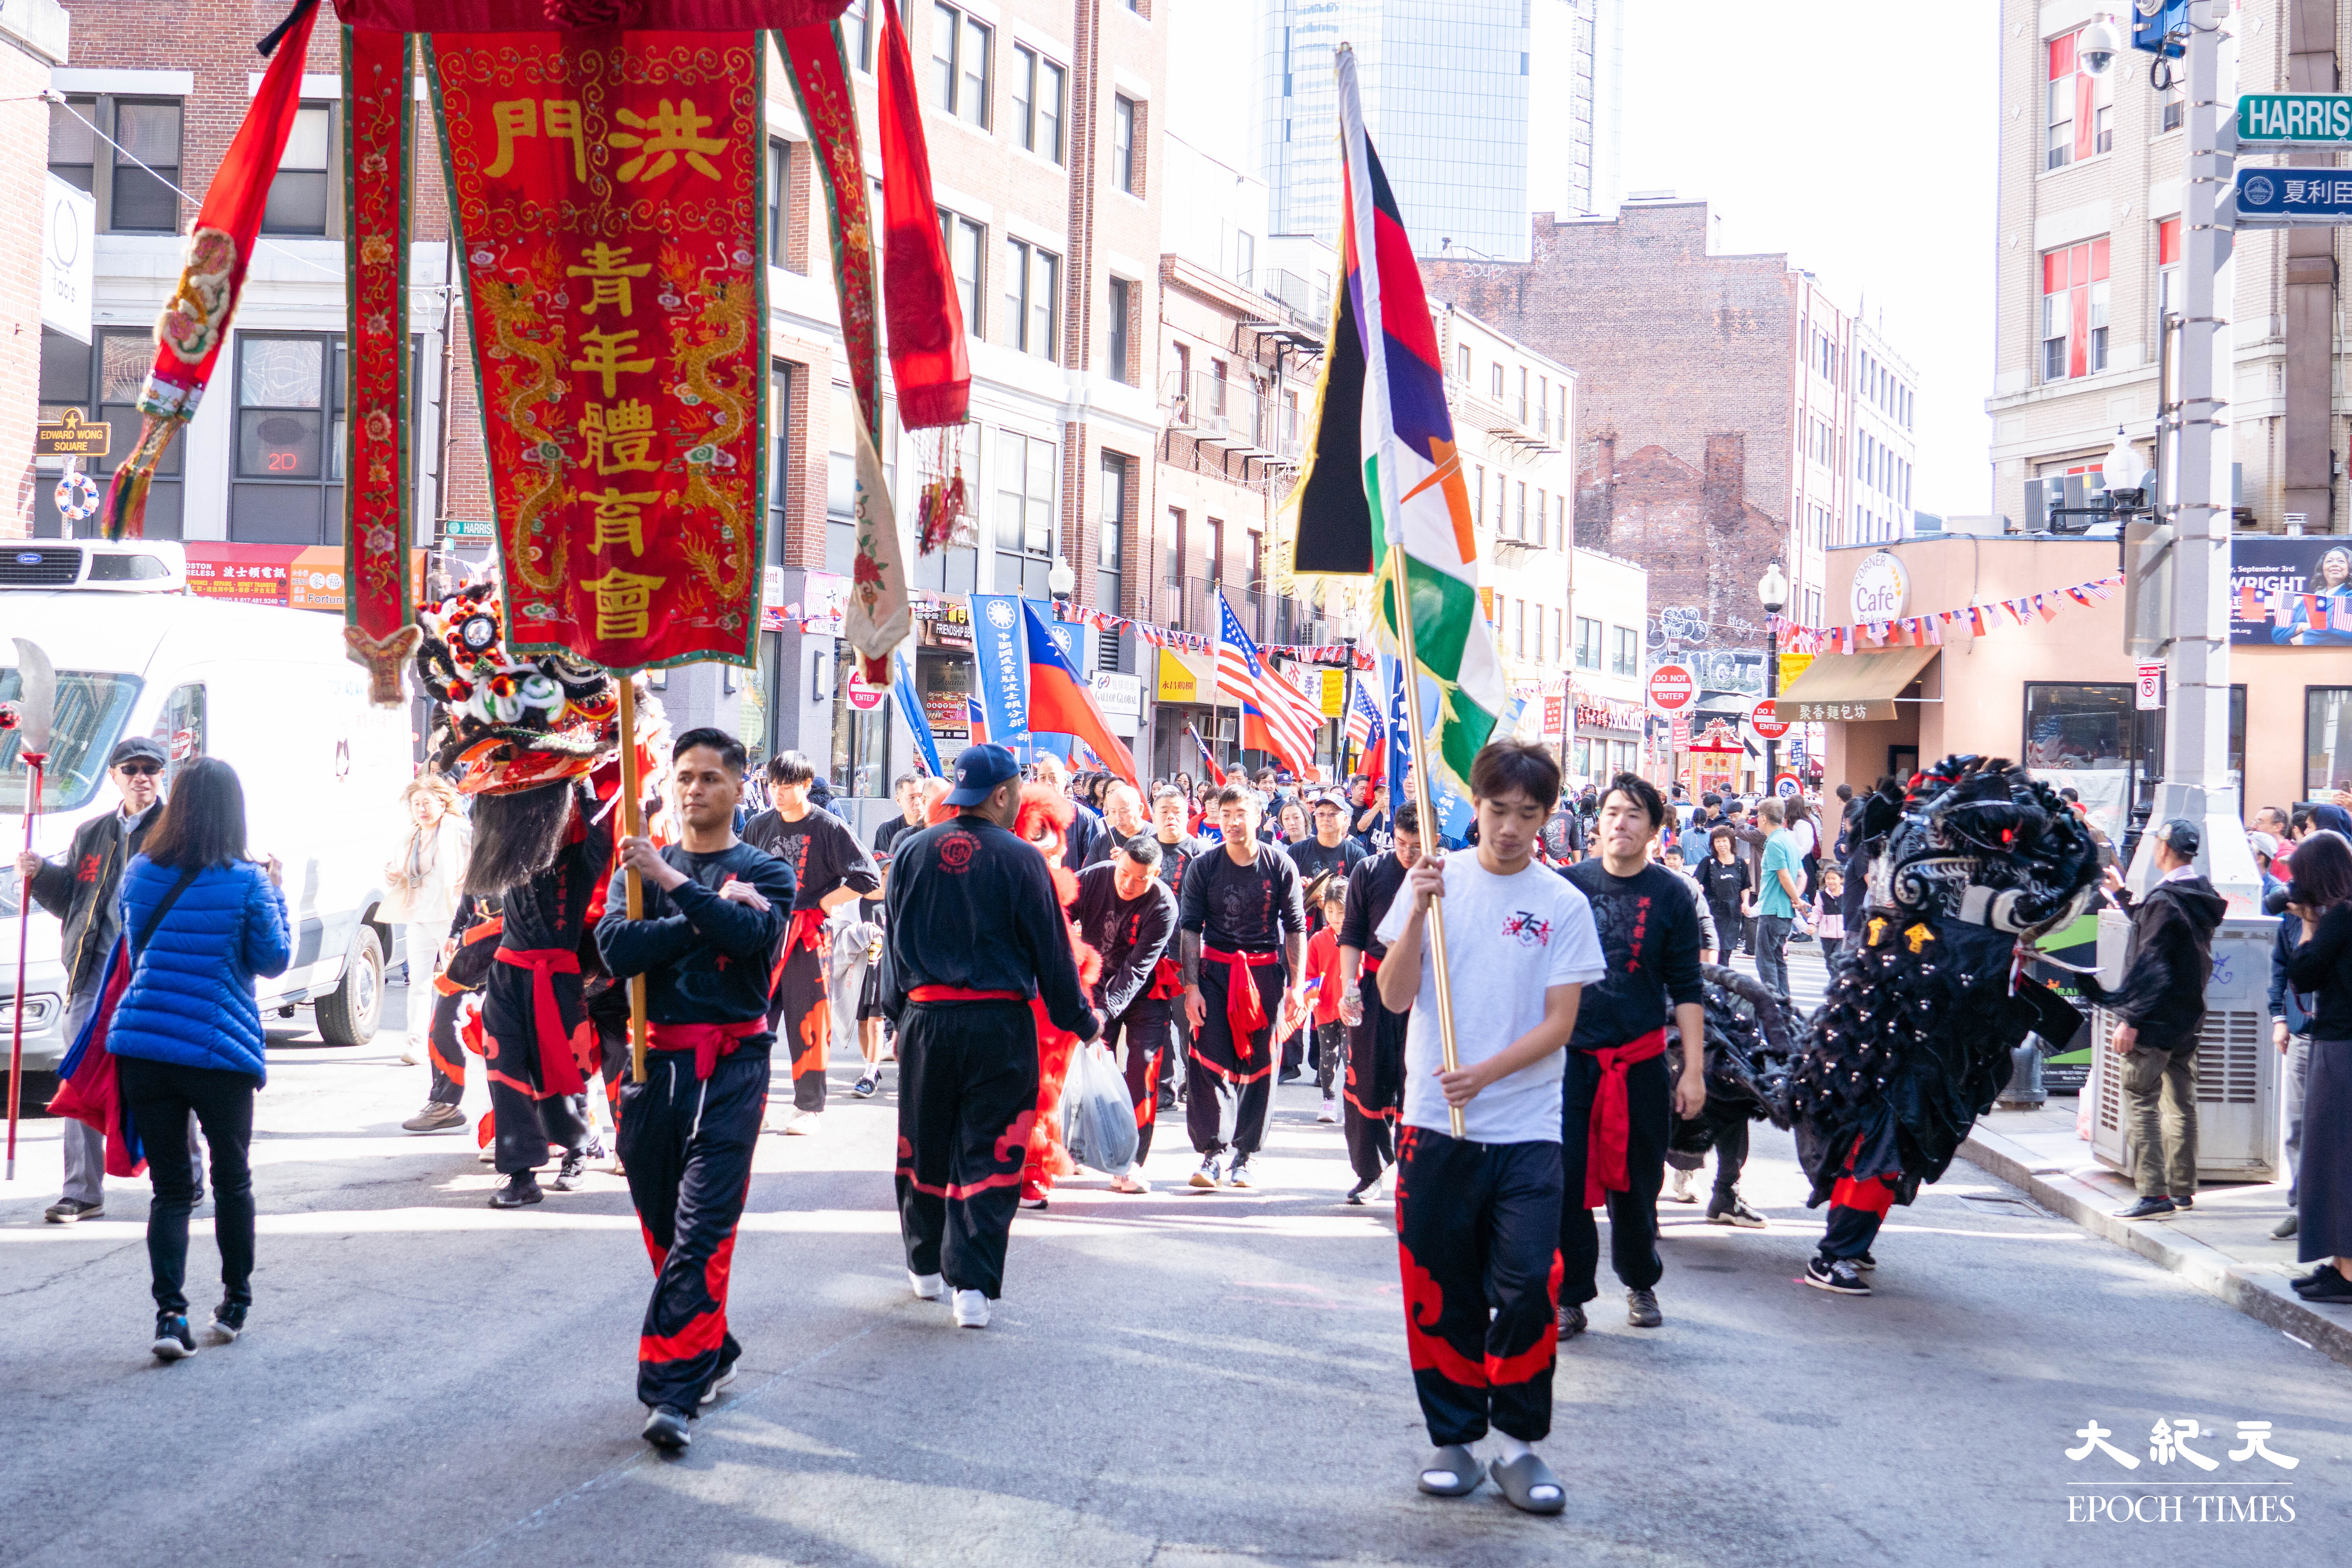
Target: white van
x,y
270,692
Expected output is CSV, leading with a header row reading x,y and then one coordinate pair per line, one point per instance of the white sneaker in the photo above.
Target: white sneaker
x,y
927,1287
970,1309
1331,1111
1680,1192
804,1123
408,1057
1129,1184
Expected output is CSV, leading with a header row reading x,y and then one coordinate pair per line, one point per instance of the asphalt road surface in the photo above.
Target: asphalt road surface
x,y
1178,1380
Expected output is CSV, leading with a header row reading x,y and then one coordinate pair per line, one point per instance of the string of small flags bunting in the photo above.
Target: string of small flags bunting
x,y
1168,637
1928,630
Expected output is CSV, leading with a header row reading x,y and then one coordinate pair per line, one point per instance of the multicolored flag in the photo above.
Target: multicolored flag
x,y
978,721
1061,703
1411,470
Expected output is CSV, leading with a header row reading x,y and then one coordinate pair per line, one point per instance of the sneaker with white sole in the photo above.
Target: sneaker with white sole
x,y
970,1309
721,1379
1837,1275
1680,1190
1240,1176
1129,1184
229,1321
173,1339
1331,1111
926,1287
805,1123
865,1087
435,1118
1730,1208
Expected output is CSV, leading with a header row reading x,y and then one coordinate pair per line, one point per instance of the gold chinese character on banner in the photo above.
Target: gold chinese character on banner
x,y
624,602
608,271
604,351
618,440
669,132
517,118
619,517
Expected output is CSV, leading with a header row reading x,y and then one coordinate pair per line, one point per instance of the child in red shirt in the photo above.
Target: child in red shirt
x,y
1323,982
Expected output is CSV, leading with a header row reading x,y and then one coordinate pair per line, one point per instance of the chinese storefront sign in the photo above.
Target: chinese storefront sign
x,y
610,199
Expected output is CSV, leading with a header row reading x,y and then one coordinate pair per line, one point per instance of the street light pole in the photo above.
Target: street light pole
x,y
1772,592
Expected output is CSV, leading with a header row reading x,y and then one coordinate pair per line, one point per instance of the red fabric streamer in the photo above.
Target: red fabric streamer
x,y
927,359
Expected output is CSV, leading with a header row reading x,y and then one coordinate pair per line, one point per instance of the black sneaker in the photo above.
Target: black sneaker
x,y
1289,1075
229,1321
2148,1208
1837,1275
1570,1322
1729,1209
2331,1285
1356,1194
435,1118
2180,1202
1867,1263
865,1085
1210,1173
1641,1310
65,1211
521,1188
174,1341
721,1379
574,1166
667,1428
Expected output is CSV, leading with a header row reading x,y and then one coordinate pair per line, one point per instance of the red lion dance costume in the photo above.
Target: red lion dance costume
x,y
1044,821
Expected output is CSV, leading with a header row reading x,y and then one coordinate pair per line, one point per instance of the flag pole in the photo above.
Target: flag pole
x,y
633,825
1403,602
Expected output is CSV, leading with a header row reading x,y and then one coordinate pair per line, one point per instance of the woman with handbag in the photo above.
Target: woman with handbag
x,y
201,920
421,897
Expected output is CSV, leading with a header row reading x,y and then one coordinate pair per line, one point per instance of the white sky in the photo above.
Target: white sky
x,y
1859,136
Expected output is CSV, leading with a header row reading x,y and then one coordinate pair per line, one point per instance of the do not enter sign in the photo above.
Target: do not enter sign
x,y
1768,720
862,697
1672,690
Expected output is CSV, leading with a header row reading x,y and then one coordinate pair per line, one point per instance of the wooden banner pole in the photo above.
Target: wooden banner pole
x,y
633,825
1423,745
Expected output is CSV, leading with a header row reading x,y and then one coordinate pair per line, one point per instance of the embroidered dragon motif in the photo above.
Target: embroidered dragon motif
x,y
531,375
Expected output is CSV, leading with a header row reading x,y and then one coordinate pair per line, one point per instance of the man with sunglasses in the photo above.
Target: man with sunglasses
x,y
81,890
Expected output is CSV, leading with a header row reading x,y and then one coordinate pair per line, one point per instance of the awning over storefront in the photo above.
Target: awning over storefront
x,y
1838,688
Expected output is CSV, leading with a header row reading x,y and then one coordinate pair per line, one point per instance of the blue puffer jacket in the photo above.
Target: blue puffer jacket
x,y
191,996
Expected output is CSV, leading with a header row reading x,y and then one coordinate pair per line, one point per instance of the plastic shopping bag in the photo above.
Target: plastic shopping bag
x,y
1097,1123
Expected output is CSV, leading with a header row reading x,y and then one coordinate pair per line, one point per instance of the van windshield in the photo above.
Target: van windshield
x,y
91,708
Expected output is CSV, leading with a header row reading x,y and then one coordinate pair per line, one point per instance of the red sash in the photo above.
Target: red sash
x,y
1245,1013
1610,1129
708,1042
1167,980
559,1070
961,994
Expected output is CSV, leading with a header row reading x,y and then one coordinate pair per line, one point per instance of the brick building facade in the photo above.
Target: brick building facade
x,y
34,37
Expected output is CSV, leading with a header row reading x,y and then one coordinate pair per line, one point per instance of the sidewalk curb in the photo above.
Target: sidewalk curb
x,y
2264,1298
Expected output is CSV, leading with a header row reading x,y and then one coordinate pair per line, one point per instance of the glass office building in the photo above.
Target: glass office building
x,y
1448,87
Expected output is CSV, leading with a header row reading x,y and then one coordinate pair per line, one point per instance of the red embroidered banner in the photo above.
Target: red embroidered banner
x,y
927,358
820,76
608,187
376,141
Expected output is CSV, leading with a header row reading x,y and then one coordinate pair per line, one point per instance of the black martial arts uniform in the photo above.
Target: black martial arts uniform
x,y
825,857
1175,859
1617,1104
687,1131
974,932
534,1013
1140,985
1372,1092
1244,915
476,926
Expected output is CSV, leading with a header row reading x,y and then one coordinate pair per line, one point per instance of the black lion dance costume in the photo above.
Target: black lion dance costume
x,y
1928,1001
1751,1040
535,742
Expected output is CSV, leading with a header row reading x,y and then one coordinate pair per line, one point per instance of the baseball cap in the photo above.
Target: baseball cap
x,y
2263,844
139,746
1326,797
2179,836
978,771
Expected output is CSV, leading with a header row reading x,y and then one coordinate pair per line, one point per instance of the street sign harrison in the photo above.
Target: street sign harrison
x,y
2296,119
2272,197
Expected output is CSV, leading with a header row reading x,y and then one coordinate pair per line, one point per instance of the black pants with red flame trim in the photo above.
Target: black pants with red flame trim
x,y
967,1100
687,1145
1372,1089
528,1118
1633,1214
803,1019
1142,1035
1226,1099
1858,1207
1478,1242
447,1055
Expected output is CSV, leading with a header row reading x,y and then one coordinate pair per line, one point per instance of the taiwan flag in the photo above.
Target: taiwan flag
x,y
1060,703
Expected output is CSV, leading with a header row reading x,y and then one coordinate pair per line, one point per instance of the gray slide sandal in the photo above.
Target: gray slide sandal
x,y
1455,1461
1528,1484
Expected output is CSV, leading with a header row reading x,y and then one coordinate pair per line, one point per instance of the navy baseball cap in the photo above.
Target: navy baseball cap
x,y
2179,836
978,771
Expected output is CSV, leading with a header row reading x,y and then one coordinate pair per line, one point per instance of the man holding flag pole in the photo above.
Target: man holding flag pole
x,y
1383,493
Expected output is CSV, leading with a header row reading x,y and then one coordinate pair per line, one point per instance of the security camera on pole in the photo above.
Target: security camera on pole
x,y
2194,637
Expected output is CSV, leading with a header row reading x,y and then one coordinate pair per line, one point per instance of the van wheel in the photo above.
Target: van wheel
x,y
348,1014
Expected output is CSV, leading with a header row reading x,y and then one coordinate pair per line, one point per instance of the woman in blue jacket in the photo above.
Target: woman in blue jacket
x,y
201,920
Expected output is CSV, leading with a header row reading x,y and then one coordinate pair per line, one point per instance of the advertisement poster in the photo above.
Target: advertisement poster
x,y
2296,591
291,577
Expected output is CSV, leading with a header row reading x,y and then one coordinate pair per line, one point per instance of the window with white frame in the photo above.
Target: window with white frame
x,y
966,242
962,57
1038,87
1033,289
2081,117
2075,311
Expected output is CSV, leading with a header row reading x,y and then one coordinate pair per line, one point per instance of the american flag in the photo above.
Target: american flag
x,y
1364,718
1287,722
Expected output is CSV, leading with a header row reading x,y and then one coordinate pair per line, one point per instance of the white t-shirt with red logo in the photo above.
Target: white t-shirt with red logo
x,y
1508,939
